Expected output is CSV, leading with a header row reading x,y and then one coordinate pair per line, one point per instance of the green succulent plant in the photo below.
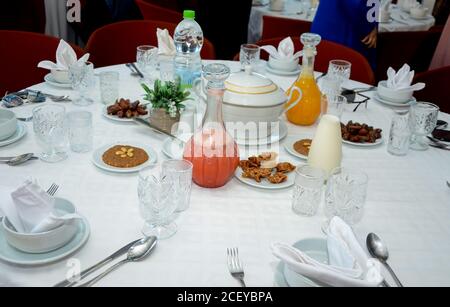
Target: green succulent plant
x,y
167,95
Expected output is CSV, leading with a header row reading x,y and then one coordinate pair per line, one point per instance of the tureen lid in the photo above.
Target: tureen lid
x,y
250,89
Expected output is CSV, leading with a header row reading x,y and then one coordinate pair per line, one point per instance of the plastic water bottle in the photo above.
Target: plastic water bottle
x,y
188,39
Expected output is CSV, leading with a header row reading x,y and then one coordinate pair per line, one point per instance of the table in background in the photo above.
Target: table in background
x,y
402,22
408,205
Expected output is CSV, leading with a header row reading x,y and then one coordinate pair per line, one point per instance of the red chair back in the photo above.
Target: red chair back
x,y
277,27
154,12
19,61
436,90
327,51
116,43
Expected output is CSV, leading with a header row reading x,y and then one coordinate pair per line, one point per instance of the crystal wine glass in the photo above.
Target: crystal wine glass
x,y
423,120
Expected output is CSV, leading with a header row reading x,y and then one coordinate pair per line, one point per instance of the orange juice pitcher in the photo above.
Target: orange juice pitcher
x,y
308,110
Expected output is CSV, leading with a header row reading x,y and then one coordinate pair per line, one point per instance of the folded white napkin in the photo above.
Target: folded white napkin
x,y
385,5
402,79
166,45
31,210
65,57
349,266
285,50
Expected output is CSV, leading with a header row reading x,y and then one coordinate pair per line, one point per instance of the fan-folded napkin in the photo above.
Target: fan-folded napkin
x,y
166,45
402,79
285,50
65,57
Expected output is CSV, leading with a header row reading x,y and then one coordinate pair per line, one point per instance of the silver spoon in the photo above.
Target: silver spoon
x,y
137,252
378,250
15,161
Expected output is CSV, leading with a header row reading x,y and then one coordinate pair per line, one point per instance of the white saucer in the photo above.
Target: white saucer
x,y
19,134
16,257
377,143
284,73
314,248
51,81
394,104
421,18
98,161
265,184
273,138
118,119
289,145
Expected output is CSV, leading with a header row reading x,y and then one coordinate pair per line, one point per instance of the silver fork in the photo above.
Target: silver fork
x,y
53,189
235,265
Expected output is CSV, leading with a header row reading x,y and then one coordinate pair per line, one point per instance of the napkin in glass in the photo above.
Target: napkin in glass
x,y
349,266
65,57
31,210
166,45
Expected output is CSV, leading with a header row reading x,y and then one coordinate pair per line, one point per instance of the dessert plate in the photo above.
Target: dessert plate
x,y
51,81
394,104
377,143
264,184
19,134
98,160
118,119
282,72
289,145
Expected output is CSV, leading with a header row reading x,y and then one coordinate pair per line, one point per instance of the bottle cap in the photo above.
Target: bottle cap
x,y
189,14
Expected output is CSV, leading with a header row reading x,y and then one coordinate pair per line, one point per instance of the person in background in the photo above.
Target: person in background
x,y
346,23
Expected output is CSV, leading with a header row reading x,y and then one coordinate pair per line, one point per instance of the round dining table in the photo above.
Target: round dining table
x,y
408,206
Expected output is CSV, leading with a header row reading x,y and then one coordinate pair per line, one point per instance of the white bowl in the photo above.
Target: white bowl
x,y
283,65
61,76
394,95
8,124
419,12
39,243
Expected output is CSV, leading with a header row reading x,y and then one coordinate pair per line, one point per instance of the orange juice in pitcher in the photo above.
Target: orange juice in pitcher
x,y
308,110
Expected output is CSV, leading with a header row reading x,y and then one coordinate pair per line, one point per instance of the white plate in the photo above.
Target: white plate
x,y
421,18
394,104
289,145
284,73
49,79
117,119
98,161
273,138
19,134
314,248
13,256
377,143
265,184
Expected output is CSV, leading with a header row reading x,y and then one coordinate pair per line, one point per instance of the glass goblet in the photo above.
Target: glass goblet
x,y
423,120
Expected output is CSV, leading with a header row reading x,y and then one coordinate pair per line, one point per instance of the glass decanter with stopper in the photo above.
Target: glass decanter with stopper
x,y
212,151
308,110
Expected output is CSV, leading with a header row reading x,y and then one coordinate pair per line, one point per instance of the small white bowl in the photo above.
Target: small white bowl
x,y
419,12
8,124
39,243
394,95
61,76
283,65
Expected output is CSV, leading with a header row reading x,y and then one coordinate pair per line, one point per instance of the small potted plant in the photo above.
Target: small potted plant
x,y
167,100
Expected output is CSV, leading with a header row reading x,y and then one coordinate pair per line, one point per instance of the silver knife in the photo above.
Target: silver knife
x,y
140,74
153,127
440,147
437,142
122,251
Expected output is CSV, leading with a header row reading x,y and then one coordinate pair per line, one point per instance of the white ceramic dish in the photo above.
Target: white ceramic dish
x,y
314,248
8,124
21,131
117,119
289,145
61,76
395,104
283,65
98,161
16,257
39,243
393,95
377,143
51,81
427,16
283,73
275,137
265,184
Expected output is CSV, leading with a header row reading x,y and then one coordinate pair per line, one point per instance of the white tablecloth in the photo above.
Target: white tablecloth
x,y
293,10
408,205
402,22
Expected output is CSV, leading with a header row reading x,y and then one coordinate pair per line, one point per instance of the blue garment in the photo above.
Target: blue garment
x,y
345,22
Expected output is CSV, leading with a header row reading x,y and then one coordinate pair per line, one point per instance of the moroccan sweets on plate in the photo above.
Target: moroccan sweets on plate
x,y
123,156
266,167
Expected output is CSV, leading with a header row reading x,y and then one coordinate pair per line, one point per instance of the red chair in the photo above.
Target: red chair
x,y
19,61
278,26
327,51
116,43
436,91
155,12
